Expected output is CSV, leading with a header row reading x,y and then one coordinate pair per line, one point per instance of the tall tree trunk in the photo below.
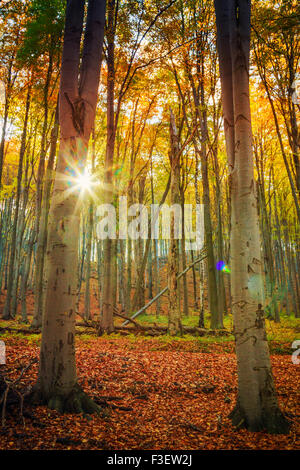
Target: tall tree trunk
x,y
216,315
121,274
42,233
267,242
57,379
25,274
150,277
257,406
183,257
87,294
196,306
106,324
8,96
39,184
174,323
140,264
7,308
155,250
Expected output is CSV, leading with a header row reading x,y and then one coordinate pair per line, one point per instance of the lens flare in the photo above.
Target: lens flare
x,y
118,170
221,266
78,180
84,181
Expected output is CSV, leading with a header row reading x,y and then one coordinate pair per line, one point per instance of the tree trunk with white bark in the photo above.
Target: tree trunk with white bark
x,y
257,406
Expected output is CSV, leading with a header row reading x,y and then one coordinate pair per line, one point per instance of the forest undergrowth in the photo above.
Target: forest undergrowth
x,y
154,393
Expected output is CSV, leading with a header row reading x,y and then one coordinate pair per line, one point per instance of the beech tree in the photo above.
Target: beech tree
x,y
57,381
106,317
174,324
54,266
257,406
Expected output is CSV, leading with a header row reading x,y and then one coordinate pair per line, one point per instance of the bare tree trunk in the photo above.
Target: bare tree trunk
x,y
25,274
257,406
42,233
129,275
216,315
121,274
150,277
183,256
106,323
174,325
57,379
140,264
87,294
40,205
87,300
7,308
8,92
266,235
196,306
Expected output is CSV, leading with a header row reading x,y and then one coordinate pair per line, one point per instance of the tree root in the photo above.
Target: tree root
x,y
272,422
276,422
77,401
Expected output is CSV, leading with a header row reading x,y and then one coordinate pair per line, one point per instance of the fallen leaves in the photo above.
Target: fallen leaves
x,y
176,398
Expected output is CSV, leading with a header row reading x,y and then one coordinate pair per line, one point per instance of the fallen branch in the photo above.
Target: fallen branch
x,y
121,315
164,329
201,258
92,324
10,386
21,330
152,330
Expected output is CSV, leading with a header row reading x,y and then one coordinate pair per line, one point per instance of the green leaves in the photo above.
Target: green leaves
x,y
43,30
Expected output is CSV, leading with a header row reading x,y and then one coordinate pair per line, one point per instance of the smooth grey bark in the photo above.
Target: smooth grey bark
x,y
257,405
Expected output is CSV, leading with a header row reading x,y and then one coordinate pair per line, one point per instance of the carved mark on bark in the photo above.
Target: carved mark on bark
x,y
70,338
260,319
78,113
247,339
58,245
268,390
241,303
227,124
242,117
60,370
240,334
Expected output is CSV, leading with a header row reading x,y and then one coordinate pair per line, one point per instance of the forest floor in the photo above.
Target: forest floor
x,y
159,393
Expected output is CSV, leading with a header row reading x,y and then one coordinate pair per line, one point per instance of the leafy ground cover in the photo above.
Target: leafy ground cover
x,y
156,393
